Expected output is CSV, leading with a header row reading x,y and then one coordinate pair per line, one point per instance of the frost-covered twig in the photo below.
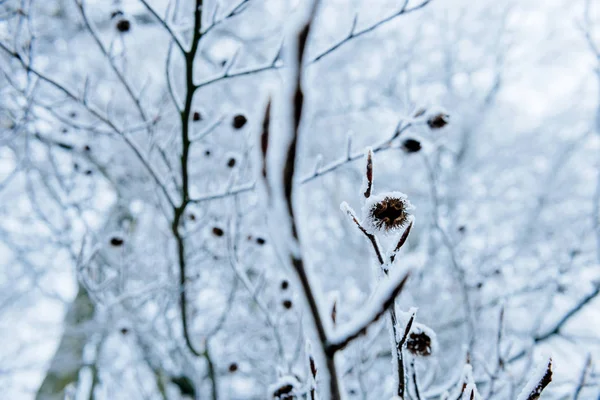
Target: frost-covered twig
x,y
354,34
387,144
166,25
584,373
537,383
371,313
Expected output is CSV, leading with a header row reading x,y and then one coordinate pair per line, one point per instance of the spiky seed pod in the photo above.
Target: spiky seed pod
x,y
116,241
411,145
438,121
123,25
284,392
421,341
239,121
387,212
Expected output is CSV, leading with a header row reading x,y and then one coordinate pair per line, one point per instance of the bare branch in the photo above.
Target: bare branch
x,y
358,326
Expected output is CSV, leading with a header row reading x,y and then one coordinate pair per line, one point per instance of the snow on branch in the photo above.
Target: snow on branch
x,y
537,383
370,314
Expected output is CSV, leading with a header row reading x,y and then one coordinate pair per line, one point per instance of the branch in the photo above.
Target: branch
x,y
354,34
383,146
568,315
586,368
164,23
537,383
370,314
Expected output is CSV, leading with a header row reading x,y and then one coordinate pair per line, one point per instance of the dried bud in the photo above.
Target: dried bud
x,y
419,112
116,241
284,284
438,121
260,241
124,331
207,153
123,25
421,341
233,367
284,392
411,145
387,212
196,116
287,304
239,121
217,231
231,162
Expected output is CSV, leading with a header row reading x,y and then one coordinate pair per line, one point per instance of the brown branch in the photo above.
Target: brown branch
x,y
540,383
358,329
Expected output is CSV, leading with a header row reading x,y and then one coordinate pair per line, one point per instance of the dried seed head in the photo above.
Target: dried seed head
x,y
421,341
123,25
284,392
387,212
239,121
411,145
116,241
438,120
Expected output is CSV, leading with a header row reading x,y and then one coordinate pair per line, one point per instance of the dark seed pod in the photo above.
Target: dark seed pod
x,y
284,284
217,231
239,121
196,116
231,162
389,212
411,145
287,304
284,392
116,241
260,241
438,121
123,25
420,341
233,367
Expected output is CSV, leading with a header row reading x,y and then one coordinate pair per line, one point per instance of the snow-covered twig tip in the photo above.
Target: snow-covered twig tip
x,y
537,383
